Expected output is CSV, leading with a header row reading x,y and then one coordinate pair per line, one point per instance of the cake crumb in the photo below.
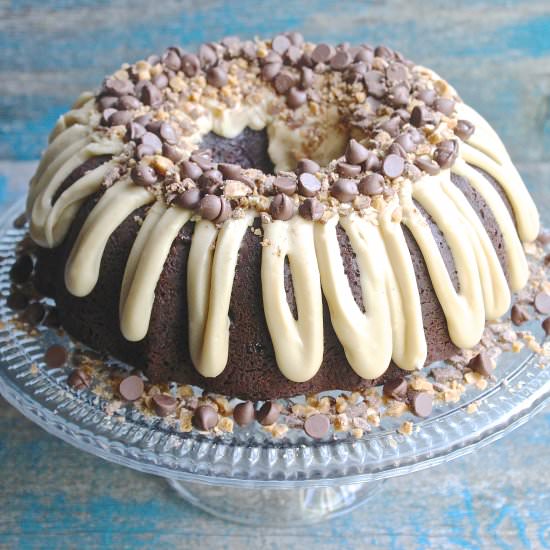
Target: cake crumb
x,y
406,428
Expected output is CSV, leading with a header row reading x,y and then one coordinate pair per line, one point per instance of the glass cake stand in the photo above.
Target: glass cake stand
x,y
238,476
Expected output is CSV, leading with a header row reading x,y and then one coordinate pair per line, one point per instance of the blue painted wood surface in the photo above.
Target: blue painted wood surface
x,y
497,53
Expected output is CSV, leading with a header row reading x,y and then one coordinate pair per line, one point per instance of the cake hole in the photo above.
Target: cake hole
x,y
351,267
289,289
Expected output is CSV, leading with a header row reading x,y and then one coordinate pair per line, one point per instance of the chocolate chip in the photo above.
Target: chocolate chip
x,y
427,96
160,81
226,211
341,60
216,77
281,207
151,95
295,98
207,56
280,44
396,149
393,166
191,170
56,356
444,105
243,413
546,325
190,64
164,404
232,44
203,159
131,388
248,49
364,55
482,364
143,150
78,379
317,426
293,55
426,164
406,141
446,153
189,199
400,95
421,403
348,170
52,319
322,53
271,57
20,221
268,413
107,102
464,129
396,389
210,207
211,180
308,184
307,166
120,118
421,116
21,270
392,126
143,174
372,162
168,134
372,185
17,301
376,84
144,119
311,209
116,87
518,315
283,82
284,185
172,152
542,303
128,103
396,73
107,114
384,52
152,140
171,60
205,418
34,314
355,152
296,38
345,190
307,78
230,171
271,70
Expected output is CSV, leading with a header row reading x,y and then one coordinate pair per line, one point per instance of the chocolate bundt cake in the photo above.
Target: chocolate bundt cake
x,y
270,218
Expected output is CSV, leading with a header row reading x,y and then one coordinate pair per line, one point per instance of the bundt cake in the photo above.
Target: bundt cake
x,y
274,217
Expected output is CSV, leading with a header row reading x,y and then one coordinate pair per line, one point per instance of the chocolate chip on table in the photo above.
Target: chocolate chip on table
x,y
372,184
546,325
396,389
308,184
21,270
322,53
317,426
190,170
281,207
542,303
519,315
280,44
356,153
426,164
210,207
190,65
189,199
244,413
393,166
311,209
444,105
345,190
286,185
78,379
268,413
205,417
348,170
142,174
295,98
17,301
421,403
464,129
216,77
307,166
131,388
482,364
56,356
164,404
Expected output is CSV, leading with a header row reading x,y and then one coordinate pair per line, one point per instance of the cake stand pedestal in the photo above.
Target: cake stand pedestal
x,y
239,476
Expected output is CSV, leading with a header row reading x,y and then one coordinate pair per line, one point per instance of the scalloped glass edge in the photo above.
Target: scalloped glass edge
x,y
43,397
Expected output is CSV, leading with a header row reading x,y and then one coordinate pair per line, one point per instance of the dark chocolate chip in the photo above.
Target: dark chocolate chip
x,y
143,174
268,413
172,152
203,159
151,95
372,185
152,140
226,211
205,417
131,388
348,170
464,129
243,413
216,77
421,403
393,166
482,364
191,170
345,190
311,209
281,207
189,199
283,184
107,114
56,356
210,207
164,404
364,55
546,325
230,171
283,82
308,184
21,270
144,119
426,164
421,116
307,166
211,180
355,152
317,426
168,134
190,64
542,303
396,389
518,315
295,98
271,57
322,53
79,379
143,150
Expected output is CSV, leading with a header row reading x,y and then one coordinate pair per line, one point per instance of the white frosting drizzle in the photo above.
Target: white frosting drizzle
x,y
387,277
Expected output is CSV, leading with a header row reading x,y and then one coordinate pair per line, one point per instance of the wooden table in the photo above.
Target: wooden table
x,y
497,53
